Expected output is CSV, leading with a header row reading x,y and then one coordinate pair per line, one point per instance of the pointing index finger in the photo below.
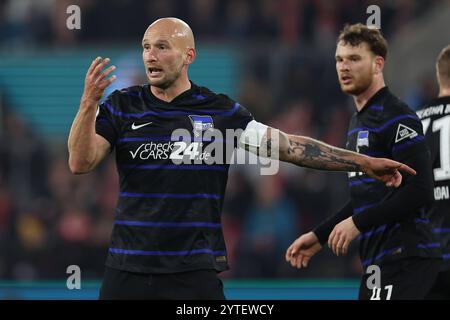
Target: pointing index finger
x,y
407,169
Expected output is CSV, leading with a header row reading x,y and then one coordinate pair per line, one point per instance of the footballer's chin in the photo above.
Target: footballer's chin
x,y
159,82
155,81
351,88
162,83
347,87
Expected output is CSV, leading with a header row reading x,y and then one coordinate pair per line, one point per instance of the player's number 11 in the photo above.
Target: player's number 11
x,y
376,293
443,126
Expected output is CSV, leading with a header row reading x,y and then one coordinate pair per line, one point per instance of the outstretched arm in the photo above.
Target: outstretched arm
x,y
311,153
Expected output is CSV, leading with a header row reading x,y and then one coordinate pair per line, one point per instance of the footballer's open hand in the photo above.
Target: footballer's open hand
x,y
95,82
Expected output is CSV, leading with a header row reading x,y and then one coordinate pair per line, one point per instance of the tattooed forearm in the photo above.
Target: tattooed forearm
x,y
307,152
314,154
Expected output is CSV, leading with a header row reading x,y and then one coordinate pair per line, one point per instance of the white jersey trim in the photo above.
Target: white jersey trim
x,y
253,134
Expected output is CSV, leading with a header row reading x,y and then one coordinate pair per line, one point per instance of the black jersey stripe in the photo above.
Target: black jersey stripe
x,y
171,139
377,107
357,182
441,230
132,93
127,115
429,245
364,207
175,167
383,227
381,254
408,143
372,232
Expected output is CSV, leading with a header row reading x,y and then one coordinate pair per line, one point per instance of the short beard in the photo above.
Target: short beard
x,y
357,90
167,83
164,85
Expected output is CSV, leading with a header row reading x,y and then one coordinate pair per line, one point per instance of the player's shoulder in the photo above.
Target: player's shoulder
x,y
393,117
403,127
220,101
204,93
234,107
395,108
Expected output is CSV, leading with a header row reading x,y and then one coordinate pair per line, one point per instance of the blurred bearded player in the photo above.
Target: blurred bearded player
x,y
393,226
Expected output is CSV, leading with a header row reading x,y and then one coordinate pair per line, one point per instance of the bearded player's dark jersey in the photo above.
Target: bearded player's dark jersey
x,y
387,128
168,216
436,125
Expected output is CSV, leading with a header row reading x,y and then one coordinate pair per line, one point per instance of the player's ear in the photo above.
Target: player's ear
x,y
190,55
379,64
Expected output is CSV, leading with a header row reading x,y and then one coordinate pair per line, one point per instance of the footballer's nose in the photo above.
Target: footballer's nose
x,y
149,56
343,67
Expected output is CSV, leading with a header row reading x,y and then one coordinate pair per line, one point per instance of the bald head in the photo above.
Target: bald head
x,y
175,30
168,50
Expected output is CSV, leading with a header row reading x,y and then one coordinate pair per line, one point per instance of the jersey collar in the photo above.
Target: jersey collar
x,y
376,98
182,96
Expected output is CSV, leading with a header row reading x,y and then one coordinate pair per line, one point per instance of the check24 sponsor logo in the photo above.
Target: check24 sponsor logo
x,y
177,150
193,151
152,150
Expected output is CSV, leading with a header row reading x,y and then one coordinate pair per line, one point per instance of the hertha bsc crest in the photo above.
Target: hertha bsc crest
x,y
362,139
201,123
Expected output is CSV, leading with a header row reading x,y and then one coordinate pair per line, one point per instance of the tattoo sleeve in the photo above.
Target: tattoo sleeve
x,y
307,152
314,154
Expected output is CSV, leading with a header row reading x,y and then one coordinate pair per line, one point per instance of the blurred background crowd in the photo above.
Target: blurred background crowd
x,y
283,72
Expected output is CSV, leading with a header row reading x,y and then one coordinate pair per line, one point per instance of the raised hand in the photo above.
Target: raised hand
x,y
302,249
95,82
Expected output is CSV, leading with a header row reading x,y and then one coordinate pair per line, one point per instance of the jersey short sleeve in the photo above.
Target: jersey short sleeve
x,y
105,124
242,117
405,137
237,119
